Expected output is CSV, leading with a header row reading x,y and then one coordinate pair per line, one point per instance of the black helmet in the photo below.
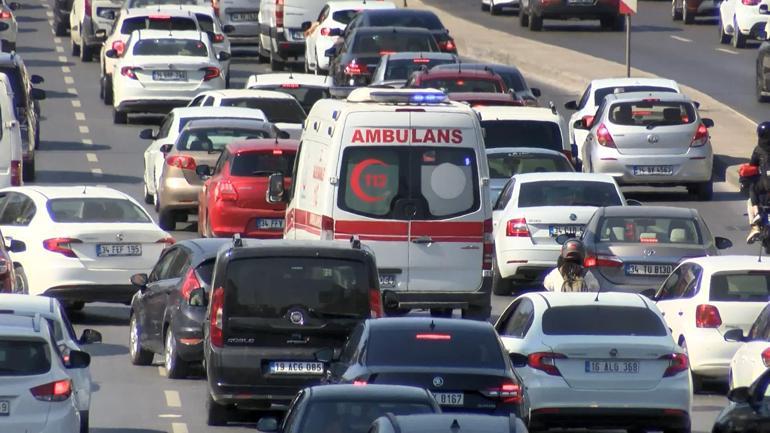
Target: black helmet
x,y
763,131
573,250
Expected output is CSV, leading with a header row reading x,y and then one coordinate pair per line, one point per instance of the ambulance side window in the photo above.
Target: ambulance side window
x,y
294,171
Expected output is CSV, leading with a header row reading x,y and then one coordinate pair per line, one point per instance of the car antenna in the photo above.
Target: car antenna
x,y
237,241
552,106
459,66
599,290
86,186
455,427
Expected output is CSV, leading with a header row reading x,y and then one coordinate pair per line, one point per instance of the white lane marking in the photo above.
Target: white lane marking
x,y
161,371
72,91
49,13
50,23
62,58
76,103
725,50
179,427
66,69
680,39
91,157
163,415
87,141
84,129
57,40
79,115
59,49
97,172
172,398
69,80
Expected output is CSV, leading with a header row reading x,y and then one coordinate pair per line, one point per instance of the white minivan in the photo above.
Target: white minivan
x,y
405,172
281,37
11,152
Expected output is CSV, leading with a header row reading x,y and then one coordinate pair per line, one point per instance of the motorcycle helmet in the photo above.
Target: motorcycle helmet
x,y
573,251
763,136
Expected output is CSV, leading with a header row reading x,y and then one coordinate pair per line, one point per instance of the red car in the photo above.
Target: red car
x,y
459,81
233,196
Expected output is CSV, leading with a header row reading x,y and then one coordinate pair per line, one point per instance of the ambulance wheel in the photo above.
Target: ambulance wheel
x,y
500,285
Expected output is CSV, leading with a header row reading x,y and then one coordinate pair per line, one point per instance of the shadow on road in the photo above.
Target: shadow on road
x,y
71,145
38,63
101,315
56,94
54,176
106,349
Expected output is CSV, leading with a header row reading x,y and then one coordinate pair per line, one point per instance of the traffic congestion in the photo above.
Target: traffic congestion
x,y
340,216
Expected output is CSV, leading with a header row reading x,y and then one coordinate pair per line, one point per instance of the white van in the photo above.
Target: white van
x,y
10,137
281,37
404,171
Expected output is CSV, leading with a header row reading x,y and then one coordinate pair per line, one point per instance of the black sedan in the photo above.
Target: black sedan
x,y
748,410
447,423
166,314
513,78
404,17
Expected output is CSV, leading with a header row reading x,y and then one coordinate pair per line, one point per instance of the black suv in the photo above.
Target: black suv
x,y
277,310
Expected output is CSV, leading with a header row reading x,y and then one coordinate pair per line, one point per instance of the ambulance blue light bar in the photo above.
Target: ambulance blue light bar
x,y
420,97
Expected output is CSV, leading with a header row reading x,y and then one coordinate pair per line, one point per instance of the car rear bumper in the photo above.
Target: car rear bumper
x,y
694,166
225,221
151,105
609,286
439,299
570,417
176,193
527,263
709,353
115,293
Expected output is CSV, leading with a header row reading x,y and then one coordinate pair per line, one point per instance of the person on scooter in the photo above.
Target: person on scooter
x,y
569,274
759,192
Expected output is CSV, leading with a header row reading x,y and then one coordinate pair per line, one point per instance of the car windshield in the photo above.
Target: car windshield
x,y
157,22
23,357
144,3
651,113
416,348
522,133
648,230
354,416
740,286
403,18
305,95
215,139
602,320
568,193
276,110
601,93
263,163
409,182
96,210
451,85
390,41
170,47
401,69
506,164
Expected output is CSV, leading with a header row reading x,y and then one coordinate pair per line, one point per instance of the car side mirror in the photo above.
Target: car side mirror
x,y
268,424
166,148
37,94
147,134
722,243
331,52
227,29
632,202
90,336
708,123
763,8
535,91
139,280
735,335
198,297
17,246
111,54
739,395
14,6
203,171
78,359
648,293
224,56
518,360
275,188
36,79
283,135
335,32
564,237
571,105
305,26
101,33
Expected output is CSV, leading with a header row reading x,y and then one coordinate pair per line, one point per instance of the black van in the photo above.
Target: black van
x,y
278,308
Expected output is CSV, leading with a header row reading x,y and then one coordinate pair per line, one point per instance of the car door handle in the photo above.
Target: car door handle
x,y
423,240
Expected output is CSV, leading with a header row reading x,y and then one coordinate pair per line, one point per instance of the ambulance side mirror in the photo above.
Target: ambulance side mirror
x,y
275,189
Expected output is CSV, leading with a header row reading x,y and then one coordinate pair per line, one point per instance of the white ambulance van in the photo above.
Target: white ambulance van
x,y
405,171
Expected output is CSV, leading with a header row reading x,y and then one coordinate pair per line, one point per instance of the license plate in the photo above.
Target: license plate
x,y
169,75
5,407
114,250
296,367
609,366
269,224
653,170
387,281
450,398
636,269
560,229
250,16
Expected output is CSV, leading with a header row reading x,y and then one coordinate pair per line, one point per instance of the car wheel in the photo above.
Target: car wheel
x,y
738,39
275,64
84,421
119,117
676,14
176,367
687,16
697,381
703,191
61,29
108,90
86,52
500,285
28,171
21,285
724,38
148,198
759,88
395,311
523,17
216,414
37,135
137,354
618,23
536,22
484,7
166,220
493,10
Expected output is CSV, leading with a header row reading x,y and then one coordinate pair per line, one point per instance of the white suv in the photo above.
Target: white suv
x,y
90,20
740,20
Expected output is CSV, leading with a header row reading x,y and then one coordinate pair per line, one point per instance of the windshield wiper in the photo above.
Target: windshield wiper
x,y
655,123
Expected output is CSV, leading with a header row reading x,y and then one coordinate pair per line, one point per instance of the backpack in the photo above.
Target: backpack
x,y
576,285
764,171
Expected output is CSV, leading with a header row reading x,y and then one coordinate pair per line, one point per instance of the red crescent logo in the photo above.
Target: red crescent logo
x,y
355,180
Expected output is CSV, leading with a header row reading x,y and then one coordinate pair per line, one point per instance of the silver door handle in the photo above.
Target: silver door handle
x,y
423,240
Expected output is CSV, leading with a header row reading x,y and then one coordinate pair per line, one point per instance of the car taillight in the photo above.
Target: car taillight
x,y
167,240
16,173
226,192
354,68
218,37
324,31
488,252
62,246
129,71
517,227
677,363
210,73
181,161
119,47
289,86
507,392
279,13
5,15
420,60
53,391
602,261
189,284
88,8
375,303
701,136
748,170
603,136
750,2
707,316
545,361
215,321
447,46
766,357
359,382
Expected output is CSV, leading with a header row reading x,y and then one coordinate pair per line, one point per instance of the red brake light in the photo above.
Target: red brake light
x,y
375,303
603,136
88,8
435,337
226,192
16,173
359,382
211,73
190,283
181,161
215,321
5,15
545,361
701,136
387,52
277,151
517,228
129,71
707,316
279,13
354,68
489,246
678,363
748,170
507,392
53,391
602,261
159,17
62,246
218,37
168,241
290,86
766,357
324,31
447,46
750,2
119,47
421,60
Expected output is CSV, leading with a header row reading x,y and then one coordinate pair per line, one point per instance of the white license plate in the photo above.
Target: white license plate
x,y
5,407
610,366
253,16
296,367
450,398
269,224
169,75
113,250
560,229
636,269
387,281
653,170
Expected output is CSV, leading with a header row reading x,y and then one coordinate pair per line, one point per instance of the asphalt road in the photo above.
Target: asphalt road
x,y
80,145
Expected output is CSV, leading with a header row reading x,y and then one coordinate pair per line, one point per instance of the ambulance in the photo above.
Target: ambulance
x,y
403,171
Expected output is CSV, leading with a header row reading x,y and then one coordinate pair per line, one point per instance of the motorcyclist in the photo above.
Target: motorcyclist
x,y
759,191
569,274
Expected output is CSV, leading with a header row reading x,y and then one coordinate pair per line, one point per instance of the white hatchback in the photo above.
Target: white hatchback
x,y
597,360
305,88
753,357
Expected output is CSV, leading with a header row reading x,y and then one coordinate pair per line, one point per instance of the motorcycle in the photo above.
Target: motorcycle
x,y
747,175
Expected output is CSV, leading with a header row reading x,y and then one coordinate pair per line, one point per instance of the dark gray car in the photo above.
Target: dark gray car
x,y
634,248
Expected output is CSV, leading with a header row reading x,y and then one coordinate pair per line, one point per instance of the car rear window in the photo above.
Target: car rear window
x,y
740,286
145,3
647,230
600,94
206,23
276,110
522,133
22,357
513,80
215,139
651,113
505,165
205,271
602,320
402,19
157,22
344,17
392,42
401,69
263,163
355,415
456,348
170,47
568,193
474,85
95,210
305,95
409,182
325,287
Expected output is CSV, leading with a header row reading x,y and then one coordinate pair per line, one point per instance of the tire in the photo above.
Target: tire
x,y
216,414
500,286
703,191
166,220
275,65
136,353
759,89
60,29
477,312
84,424
618,23
21,283
484,7
176,367
493,10
676,15
687,17
74,48
724,38
523,18
119,117
108,99
86,52
697,381
37,135
148,198
396,312
28,171
738,40
535,23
